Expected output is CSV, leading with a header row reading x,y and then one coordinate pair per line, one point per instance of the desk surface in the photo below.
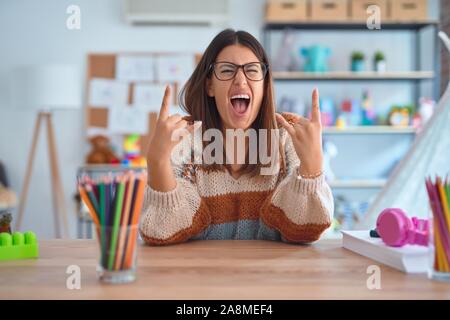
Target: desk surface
x,y
215,270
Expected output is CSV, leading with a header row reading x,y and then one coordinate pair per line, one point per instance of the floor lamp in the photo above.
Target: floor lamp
x,y
45,89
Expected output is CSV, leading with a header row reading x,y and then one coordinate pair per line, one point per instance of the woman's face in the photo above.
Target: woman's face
x,y
239,99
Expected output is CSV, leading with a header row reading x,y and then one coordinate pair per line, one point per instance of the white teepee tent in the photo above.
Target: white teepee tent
x,y
429,155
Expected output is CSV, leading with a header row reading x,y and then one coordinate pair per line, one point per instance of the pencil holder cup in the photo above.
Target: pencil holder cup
x,y
117,261
439,249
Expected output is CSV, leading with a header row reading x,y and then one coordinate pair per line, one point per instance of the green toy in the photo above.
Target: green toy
x,y
18,246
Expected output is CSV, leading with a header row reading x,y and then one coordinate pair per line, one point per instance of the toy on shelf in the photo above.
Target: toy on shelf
x,y
132,151
368,114
425,112
285,57
351,112
286,104
316,58
341,122
400,116
328,112
343,119
349,213
18,246
5,222
292,104
8,198
102,152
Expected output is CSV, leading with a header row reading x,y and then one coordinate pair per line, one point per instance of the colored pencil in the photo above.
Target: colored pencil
x,y
444,205
88,203
125,217
115,204
134,221
107,201
116,223
102,219
438,194
92,198
132,205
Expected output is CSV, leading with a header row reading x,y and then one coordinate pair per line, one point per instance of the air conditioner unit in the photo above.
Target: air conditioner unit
x,y
192,12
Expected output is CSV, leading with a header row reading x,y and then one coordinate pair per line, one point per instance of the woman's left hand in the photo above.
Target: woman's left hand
x,y
306,136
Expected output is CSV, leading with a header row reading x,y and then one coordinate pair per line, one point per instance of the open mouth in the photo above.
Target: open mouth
x,y
240,103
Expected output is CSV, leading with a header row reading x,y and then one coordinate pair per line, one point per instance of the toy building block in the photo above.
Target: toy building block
x,y
18,246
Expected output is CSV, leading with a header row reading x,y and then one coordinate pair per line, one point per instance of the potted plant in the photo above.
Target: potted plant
x,y
379,62
357,61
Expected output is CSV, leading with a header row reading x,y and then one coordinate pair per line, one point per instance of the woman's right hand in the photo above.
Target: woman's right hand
x,y
169,131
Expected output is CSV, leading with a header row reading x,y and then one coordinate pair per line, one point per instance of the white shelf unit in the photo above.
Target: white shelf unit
x,y
349,75
415,77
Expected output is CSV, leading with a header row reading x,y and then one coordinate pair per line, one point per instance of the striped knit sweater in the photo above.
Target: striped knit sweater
x,y
213,205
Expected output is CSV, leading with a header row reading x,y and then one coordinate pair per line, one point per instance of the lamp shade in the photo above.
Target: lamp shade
x,y
46,87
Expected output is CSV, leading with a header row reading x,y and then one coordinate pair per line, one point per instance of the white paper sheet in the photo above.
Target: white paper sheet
x,y
148,96
95,131
127,119
107,92
135,68
171,68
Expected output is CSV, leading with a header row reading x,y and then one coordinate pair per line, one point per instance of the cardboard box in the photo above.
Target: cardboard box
x,y
329,10
409,10
358,9
286,11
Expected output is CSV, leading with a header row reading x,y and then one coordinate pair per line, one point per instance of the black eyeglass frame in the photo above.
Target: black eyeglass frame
x,y
212,69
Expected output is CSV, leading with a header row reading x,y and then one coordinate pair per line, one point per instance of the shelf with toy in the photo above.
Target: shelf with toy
x,y
359,116
370,130
103,153
110,167
350,75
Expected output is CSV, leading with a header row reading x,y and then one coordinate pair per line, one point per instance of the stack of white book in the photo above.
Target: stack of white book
x,y
409,258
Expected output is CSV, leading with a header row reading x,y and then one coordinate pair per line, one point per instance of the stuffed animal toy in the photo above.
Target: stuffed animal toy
x,y
101,151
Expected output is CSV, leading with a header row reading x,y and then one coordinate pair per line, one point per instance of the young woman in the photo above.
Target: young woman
x,y
232,88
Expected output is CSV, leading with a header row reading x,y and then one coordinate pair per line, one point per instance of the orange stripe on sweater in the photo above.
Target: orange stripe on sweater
x,y
200,221
275,218
236,206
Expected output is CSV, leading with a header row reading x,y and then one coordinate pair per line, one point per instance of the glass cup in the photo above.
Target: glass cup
x,y
439,264
117,262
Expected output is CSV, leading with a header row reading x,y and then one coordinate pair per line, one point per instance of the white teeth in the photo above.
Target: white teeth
x,y
241,96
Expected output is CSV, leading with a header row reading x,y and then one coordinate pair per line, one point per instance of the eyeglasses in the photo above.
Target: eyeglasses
x,y
254,71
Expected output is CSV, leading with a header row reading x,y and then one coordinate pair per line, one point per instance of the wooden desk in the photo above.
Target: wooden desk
x,y
215,270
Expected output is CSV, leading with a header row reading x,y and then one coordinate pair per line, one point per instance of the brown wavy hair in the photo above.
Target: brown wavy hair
x,y
195,101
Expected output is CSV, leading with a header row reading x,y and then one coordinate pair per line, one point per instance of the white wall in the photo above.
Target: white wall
x,y
34,32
